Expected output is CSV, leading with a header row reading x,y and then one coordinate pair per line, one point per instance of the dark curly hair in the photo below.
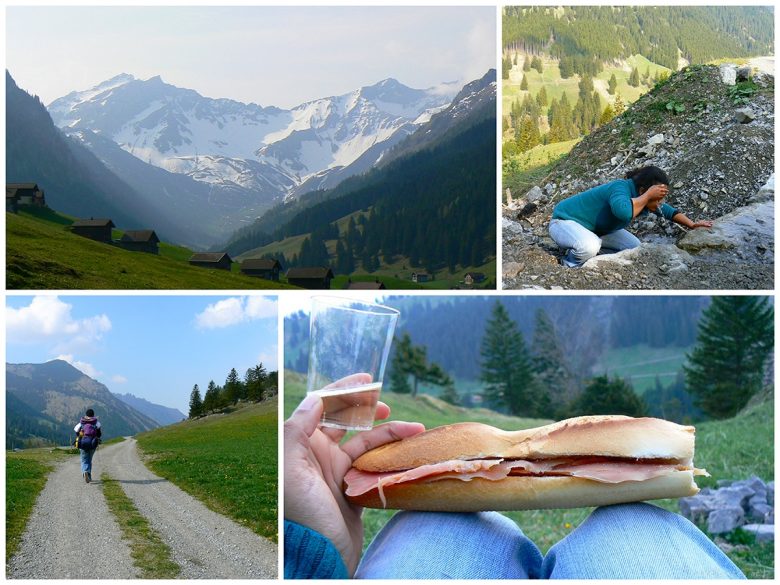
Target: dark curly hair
x,y
646,177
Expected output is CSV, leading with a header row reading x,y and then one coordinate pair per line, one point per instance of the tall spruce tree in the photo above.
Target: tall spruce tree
x,y
550,365
507,370
605,396
412,361
612,85
196,404
633,79
726,366
211,399
234,389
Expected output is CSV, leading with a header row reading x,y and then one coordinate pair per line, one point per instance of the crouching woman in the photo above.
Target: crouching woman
x,y
596,219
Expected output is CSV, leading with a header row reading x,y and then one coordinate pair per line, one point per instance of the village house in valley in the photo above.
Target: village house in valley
x,y
94,229
266,268
311,277
218,260
140,241
17,194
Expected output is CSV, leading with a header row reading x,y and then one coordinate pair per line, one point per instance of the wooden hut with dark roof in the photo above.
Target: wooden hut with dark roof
x,y
94,229
218,260
266,268
140,241
17,194
376,285
311,277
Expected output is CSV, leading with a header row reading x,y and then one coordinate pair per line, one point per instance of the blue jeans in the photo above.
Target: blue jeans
x,y
86,460
582,244
626,541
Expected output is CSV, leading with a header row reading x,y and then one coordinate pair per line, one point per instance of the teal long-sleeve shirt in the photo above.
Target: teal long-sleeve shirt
x,y
310,555
606,208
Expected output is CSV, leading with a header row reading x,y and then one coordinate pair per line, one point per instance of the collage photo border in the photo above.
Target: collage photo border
x,y
299,296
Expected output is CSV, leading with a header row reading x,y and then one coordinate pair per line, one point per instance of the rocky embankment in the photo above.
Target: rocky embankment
x,y
712,130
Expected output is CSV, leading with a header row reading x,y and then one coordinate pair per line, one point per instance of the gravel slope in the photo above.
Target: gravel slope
x,y
203,543
70,524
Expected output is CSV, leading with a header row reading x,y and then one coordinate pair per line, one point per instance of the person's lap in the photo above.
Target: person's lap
x,y
624,541
581,244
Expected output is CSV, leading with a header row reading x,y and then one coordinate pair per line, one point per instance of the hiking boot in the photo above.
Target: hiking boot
x,y
89,476
86,476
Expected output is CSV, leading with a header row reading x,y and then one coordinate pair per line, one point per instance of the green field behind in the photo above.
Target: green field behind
x,y
228,461
640,364
732,449
42,254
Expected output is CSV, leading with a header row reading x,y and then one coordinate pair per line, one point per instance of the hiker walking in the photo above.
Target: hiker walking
x,y
88,433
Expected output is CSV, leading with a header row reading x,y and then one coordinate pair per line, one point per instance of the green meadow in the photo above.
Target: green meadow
x,y
42,254
228,461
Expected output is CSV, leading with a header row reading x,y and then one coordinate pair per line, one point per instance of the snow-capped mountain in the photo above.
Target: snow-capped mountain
x,y
230,144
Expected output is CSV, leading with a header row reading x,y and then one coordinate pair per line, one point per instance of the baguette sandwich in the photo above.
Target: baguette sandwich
x,y
583,461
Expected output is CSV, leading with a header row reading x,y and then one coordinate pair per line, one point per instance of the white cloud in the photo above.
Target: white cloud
x,y
118,379
269,359
83,367
47,318
235,310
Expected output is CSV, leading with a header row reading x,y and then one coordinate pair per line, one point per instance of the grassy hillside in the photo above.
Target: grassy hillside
x,y
641,364
42,254
733,449
25,477
228,461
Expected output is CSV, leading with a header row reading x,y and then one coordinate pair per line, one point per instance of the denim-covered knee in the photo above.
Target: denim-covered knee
x,y
586,249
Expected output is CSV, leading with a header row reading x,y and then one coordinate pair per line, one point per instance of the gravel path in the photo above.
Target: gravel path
x,y
203,543
71,533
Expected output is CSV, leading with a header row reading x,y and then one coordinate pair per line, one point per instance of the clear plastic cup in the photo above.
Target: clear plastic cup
x,y
349,344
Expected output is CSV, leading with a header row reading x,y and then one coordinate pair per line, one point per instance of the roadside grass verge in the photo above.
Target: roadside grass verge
x,y
150,554
25,476
112,441
227,461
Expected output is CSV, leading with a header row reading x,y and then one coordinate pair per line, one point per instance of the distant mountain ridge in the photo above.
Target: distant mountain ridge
x,y
45,401
421,158
212,165
163,415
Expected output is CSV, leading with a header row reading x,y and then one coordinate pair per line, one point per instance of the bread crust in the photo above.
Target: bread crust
x,y
607,436
524,493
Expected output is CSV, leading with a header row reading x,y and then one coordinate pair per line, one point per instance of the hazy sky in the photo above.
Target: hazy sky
x,y
156,347
267,55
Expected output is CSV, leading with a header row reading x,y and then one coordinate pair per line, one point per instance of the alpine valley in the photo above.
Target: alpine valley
x,y
221,175
224,163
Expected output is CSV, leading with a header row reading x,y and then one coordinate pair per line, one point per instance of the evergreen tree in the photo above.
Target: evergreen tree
x,y
605,396
526,64
606,115
211,399
541,97
633,80
506,365
566,66
536,63
549,365
234,389
619,106
412,361
612,85
524,83
726,366
255,382
450,395
528,134
196,404
506,66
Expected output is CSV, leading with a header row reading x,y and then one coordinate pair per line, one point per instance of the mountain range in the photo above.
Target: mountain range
x,y
45,401
213,164
162,415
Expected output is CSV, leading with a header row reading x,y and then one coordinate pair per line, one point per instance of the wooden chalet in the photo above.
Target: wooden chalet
x,y
419,277
140,241
218,260
474,277
311,277
94,229
266,268
376,285
17,194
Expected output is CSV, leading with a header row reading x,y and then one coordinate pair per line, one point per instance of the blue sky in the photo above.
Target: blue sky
x,y
280,56
156,347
